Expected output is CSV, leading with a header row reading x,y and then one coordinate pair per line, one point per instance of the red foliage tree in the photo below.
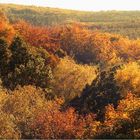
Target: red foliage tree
x,y
39,36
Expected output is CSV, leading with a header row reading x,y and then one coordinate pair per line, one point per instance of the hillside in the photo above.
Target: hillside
x,y
68,81
126,23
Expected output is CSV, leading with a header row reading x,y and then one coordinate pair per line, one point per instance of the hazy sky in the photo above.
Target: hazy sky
x,y
89,5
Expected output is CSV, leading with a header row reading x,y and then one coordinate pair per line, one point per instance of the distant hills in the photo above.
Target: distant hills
x,y
126,23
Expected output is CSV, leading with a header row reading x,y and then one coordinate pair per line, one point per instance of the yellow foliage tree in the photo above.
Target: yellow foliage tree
x,y
128,78
71,78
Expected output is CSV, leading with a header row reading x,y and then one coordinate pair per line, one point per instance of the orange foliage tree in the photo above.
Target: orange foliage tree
x,y
123,122
39,36
6,30
57,124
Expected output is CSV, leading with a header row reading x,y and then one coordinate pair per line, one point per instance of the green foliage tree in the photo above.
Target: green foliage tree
x,y
5,55
27,66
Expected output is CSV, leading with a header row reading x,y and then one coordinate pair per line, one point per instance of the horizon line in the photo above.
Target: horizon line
x,y
34,5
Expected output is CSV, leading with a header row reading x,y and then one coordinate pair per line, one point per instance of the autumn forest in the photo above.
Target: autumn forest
x,y
68,74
